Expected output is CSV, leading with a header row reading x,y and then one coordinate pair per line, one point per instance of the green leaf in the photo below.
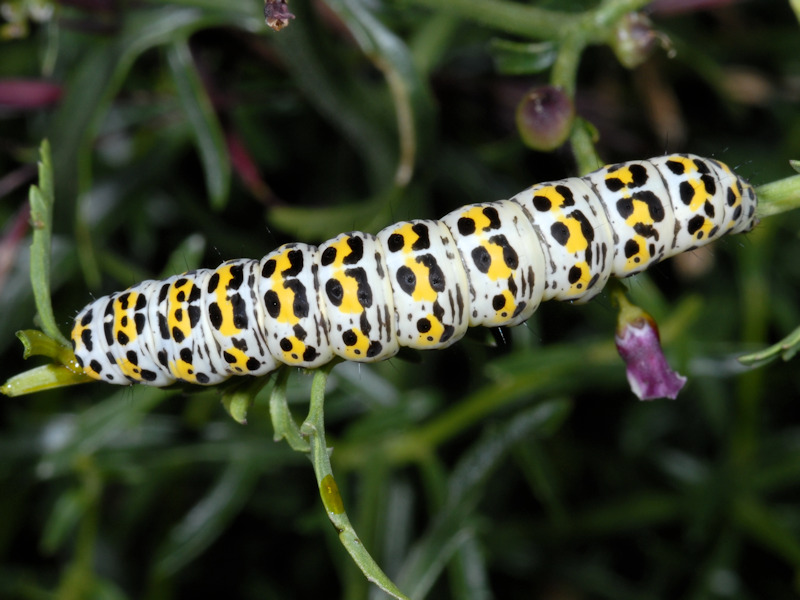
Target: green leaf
x,y
63,520
786,349
42,199
317,223
39,379
517,58
93,84
208,134
768,528
209,517
347,104
542,477
412,100
239,397
642,510
186,256
466,485
97,427
237,405
96,79
36,343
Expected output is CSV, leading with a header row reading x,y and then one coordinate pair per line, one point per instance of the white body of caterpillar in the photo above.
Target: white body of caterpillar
x,y
417,283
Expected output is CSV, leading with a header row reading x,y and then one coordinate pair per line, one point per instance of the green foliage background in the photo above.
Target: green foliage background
x,y
511,465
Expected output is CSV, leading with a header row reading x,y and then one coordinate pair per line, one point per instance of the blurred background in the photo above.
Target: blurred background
x,y
515,464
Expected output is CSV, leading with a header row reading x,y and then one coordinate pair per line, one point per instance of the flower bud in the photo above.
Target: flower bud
x,y
634,39
544,118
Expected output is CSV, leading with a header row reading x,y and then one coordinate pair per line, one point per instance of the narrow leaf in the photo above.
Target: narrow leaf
x,y
41,199
786,349
769,529
63,520
516,58
208,134
389,54
186,256
209,517
452,530
345,104
238,398
46,377
37,343
101,425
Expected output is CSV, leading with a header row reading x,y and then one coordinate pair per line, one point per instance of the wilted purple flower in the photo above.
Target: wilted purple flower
x,y
276,14
639,345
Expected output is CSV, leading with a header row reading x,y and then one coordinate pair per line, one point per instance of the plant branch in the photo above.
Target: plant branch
x,y
778,196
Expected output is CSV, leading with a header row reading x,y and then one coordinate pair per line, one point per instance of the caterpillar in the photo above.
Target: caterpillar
x,y
417,283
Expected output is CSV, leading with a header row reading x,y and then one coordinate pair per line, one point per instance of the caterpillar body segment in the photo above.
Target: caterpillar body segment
x,y
416,283
429,283
355,295
287,286
503,261
575,235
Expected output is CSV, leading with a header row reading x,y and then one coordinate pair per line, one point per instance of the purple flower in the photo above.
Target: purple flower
x,y
639,345
276,14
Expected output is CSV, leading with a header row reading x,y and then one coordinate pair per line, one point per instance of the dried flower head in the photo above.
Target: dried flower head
x,y
276,14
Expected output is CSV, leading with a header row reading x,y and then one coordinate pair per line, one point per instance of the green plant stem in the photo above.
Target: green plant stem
x,y
394,60
282,422
565,69
506,16
609,12
778,196
78,578
565,75
314,428
538,23
785,349
582,142
755,320
572,31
